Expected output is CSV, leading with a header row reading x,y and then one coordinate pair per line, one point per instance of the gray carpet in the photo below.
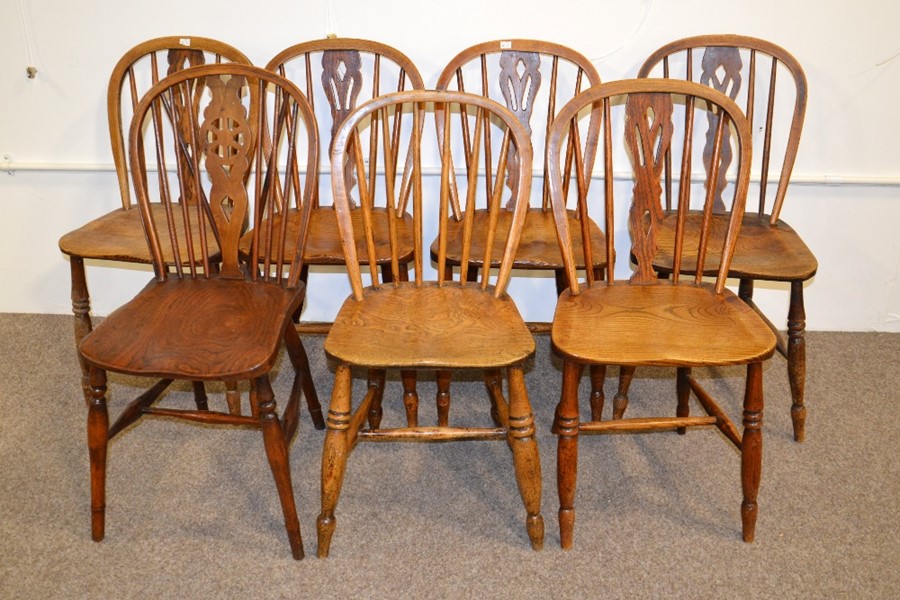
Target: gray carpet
x,y
193,512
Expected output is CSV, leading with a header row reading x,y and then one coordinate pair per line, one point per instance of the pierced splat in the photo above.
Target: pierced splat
x,y
183,58
721,71
227,143
520,80
648,134
342,81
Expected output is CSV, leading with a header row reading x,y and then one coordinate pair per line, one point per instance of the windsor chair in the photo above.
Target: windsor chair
x,y
770,85
118,236
683,322
227,129
436,324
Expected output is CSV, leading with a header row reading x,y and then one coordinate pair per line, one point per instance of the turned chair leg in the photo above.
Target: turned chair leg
x,y
494,386
598,376
376,382
200,398
410,398
683,393
567,451
81,309
300,362
620,401
334,457
527,462
796,358
442,399
277,453
751,449
98,440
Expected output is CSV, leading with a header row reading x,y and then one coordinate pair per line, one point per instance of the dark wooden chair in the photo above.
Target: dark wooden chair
x,y
223,131
682,322
440,324
118,235
771,87
338,74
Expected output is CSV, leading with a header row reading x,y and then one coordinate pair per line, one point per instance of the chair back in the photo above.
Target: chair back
x,y
339,74
465,120
243,141
766,80
142,67
658,119
533,79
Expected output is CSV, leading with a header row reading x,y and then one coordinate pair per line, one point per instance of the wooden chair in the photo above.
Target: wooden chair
x,y
223,132
533,79
442,325
118,235
751,71
683,322
338,74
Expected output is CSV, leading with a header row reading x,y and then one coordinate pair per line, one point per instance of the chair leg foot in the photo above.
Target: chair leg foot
x,y
324,531
796,358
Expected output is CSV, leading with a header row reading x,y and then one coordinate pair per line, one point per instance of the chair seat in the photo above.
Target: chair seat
x,y
763,251
538,247
429,327
119,235
323,246
201,329
659,325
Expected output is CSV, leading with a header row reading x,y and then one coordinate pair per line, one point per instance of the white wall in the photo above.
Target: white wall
x,y
845,199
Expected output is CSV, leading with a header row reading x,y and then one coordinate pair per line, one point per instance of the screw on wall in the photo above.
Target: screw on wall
x,y
6,165
31,72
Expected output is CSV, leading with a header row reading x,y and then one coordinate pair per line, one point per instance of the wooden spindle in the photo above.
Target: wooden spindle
x,y
710,196
684,191
767,141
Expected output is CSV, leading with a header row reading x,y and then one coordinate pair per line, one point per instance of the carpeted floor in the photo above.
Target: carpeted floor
x,y
193,512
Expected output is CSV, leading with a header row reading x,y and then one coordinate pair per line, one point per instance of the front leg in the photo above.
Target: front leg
x,y
334,457
751,449
521,439
796,358
98,440
567,450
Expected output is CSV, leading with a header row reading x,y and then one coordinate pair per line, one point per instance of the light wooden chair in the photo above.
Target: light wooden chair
x,y
118,236
683,322
770,85
224,131
440,324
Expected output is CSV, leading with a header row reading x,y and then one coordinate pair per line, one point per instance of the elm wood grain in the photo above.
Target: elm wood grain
x,y
118,235
197,320
443,325
645,320
761,75
430,326
521,73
